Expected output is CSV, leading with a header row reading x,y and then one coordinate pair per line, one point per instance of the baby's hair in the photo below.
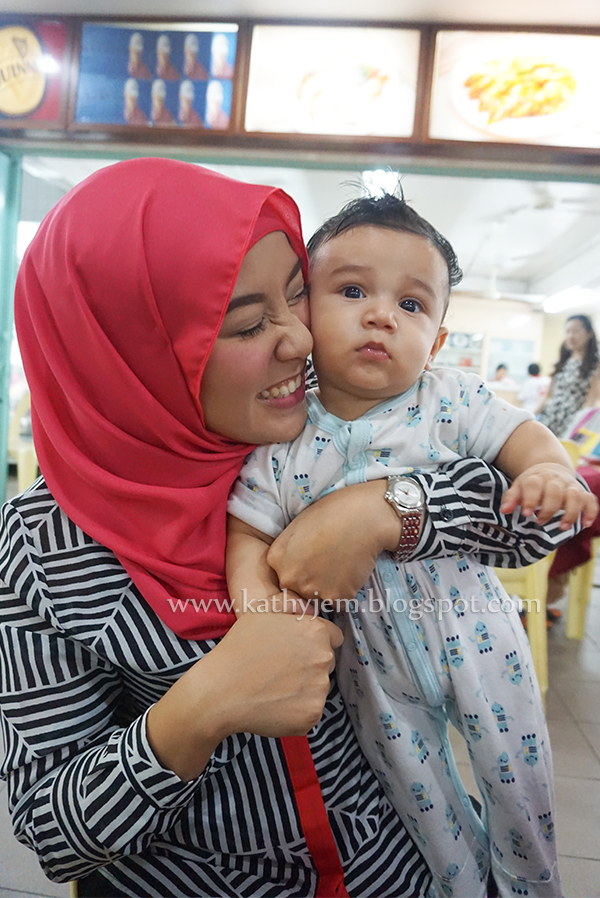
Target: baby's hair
x,y
385,211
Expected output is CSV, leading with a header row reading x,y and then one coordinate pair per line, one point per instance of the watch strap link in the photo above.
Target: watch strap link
x,y
412,524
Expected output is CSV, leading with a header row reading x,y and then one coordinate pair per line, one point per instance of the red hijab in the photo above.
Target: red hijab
x,y
119,300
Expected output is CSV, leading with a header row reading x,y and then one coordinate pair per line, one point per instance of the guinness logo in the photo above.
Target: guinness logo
x,y
22,83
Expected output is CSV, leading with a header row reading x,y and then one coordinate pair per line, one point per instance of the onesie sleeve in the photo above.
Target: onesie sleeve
x,y
490,419
256,495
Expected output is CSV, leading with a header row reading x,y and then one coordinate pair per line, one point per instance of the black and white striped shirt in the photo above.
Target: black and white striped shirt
x,y
83,657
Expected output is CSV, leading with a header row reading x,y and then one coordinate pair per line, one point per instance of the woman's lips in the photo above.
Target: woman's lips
x,y
374,351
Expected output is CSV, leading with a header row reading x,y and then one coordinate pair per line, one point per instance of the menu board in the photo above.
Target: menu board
x,y
516,87
177,76
326,80
31,71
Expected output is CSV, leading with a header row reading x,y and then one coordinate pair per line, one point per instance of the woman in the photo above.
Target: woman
x,y
156,298
575,380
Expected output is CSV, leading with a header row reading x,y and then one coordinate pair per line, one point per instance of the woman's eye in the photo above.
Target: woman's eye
x,y
353,292
411,305
252,331
298,297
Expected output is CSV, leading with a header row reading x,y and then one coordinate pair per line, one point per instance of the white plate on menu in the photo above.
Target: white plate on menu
x,y
525,129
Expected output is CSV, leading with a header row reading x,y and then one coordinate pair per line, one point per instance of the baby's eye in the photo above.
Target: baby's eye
x,y
411,305
353,292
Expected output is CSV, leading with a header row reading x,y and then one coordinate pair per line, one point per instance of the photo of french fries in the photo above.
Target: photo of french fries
x,y
521,86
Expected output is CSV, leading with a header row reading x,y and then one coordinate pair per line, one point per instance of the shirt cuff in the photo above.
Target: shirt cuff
x,y
159,786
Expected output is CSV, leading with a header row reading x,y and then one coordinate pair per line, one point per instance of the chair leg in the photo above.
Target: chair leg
x,y
73,889
537,631
580,588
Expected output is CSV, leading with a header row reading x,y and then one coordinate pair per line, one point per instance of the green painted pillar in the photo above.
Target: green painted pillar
x,y
10,194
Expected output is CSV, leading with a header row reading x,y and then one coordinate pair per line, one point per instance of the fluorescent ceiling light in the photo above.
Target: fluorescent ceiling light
x,y
568,299
381,179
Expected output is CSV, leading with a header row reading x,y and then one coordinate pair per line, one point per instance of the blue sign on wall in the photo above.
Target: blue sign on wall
x,y
156,78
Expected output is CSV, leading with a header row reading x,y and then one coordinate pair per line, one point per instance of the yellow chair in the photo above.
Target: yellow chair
x,y
580,589
21,450
581,578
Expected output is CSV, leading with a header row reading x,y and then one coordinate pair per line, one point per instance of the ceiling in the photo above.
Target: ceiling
x,y
525,238
518,12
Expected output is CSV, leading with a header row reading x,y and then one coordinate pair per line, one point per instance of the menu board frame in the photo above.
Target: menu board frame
x,y
157,82
235,140
517,86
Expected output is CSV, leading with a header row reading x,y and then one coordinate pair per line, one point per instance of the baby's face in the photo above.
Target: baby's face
x,y
377,300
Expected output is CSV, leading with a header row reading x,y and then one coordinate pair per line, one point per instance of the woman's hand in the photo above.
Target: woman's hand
x,y
269,675
330,549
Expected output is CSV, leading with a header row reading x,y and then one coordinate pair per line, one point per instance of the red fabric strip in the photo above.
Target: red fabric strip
x,y
313,817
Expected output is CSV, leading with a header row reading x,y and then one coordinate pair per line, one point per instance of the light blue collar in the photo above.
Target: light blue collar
x,y
320,417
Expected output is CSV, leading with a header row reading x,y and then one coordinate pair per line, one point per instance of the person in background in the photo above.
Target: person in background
x,y
160,113
136,68
534,389
188,117
575,381
141,721
575,385
191,66
164,67
132,113
501,380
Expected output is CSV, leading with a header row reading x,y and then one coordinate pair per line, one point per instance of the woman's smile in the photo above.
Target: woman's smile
x,y
286,389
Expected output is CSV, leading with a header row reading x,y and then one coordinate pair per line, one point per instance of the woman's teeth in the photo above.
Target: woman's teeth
x,y
285,389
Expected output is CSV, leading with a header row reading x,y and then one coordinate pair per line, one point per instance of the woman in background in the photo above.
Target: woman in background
x,y
575,380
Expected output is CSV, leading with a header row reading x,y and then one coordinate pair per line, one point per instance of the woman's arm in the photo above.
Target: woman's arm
x,y
333,545
86,788
545,398
593,396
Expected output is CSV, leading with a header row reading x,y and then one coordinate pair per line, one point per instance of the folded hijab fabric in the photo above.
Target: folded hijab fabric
x,y
119,300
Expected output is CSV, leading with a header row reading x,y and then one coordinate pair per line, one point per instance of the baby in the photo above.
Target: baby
x,y
424,642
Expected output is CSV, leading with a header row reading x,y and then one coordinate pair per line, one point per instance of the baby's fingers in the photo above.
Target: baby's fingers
x,y
533,493
577,502
511,498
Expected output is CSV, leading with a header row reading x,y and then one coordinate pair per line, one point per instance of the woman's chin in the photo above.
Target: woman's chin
x,y
281,420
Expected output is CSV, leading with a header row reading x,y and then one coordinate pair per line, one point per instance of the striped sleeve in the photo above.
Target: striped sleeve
x,y
463,501
65,750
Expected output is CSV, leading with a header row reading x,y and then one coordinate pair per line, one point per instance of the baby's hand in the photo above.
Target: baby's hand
x,y
544,489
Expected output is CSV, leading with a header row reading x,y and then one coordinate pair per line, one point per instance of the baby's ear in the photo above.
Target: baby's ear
x,y
437,345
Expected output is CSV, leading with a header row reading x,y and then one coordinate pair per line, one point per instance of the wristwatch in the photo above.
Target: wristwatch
x,y
406,497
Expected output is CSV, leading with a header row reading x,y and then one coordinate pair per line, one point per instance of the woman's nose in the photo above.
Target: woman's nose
x,y
295,341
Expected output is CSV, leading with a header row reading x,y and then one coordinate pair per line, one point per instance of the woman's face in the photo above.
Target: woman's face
x,y
576,336
252,389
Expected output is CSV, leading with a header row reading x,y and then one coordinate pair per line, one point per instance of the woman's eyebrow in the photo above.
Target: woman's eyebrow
x,y
248,299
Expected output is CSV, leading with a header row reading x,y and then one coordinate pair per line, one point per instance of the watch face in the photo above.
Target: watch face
x,y
408,493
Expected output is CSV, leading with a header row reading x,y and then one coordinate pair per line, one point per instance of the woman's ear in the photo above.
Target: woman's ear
x,y
437,345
